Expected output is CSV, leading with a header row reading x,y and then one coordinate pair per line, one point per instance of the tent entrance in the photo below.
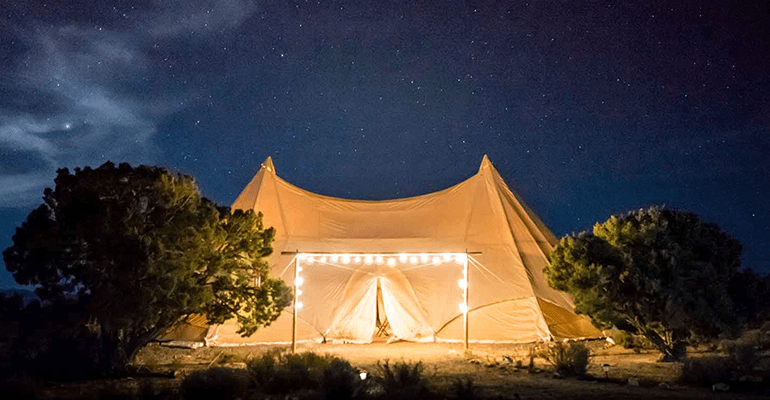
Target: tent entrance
x,y
379,297
382,331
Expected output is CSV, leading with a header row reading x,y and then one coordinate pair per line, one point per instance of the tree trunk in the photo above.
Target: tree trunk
x,y
670,351
112,357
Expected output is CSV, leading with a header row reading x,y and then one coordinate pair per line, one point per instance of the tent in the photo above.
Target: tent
x,y
461,264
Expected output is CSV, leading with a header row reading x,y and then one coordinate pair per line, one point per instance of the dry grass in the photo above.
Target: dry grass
x,y
492,368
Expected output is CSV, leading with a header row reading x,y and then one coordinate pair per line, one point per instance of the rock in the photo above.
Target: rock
x,y
557,375
721,387
751,378
633,382
664,385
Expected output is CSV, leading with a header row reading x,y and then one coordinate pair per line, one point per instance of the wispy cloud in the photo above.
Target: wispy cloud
x,y
79,95
80,117
177,18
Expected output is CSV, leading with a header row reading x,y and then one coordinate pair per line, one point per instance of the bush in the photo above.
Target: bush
x,y
227,358
214,383
402,380
705,371
278,373
341,381
463,389
741,359
569,359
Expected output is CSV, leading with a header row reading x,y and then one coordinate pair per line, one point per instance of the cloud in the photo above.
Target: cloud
x,y
73,112
79,94
177,18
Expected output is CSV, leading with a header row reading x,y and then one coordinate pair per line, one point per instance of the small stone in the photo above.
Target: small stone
x,y
751,378
633,382
664,385
557,375
721,387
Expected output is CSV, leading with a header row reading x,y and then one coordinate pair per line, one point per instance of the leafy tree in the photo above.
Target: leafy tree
x,y
665,273
129,251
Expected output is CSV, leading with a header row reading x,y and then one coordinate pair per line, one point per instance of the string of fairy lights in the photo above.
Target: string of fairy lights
x,y
380,259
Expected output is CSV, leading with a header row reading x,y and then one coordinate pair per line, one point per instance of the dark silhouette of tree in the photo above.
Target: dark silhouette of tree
x,y
127,252
666,273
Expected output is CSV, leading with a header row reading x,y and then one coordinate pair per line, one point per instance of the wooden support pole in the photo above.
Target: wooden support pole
x,y
294,311
465,296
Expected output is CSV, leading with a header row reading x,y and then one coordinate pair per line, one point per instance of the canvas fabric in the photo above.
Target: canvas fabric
x,y
509,299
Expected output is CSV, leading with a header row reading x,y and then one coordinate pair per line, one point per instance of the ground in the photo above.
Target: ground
x,y
484,363
491,367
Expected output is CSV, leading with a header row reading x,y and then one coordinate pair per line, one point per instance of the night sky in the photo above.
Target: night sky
x,y
586,108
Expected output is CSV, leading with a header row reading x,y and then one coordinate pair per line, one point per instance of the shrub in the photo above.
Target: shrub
x,y
341,381
740,360
402,380
219,383
622,338
569,359
277,373
742,357
227,358
705,371
463,389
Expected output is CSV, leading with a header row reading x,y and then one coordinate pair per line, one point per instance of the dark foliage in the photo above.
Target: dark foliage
x,y
278,373
215,383
403,380
666,273
568,359
119,254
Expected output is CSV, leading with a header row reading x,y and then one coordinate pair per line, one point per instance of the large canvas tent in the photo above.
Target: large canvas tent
x,y
464,263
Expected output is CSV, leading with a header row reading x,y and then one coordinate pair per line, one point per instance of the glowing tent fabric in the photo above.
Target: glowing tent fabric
x,y
405,258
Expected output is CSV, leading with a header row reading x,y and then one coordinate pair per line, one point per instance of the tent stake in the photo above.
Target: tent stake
x,y
294,313
465,295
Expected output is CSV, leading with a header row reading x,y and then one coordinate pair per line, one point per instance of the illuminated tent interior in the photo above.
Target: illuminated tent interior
x,y
466,260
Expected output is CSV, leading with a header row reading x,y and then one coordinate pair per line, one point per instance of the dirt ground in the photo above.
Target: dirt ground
x,y
489,366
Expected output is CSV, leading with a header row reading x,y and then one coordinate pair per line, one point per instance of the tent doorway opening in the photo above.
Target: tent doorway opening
x,y
383,332
371,297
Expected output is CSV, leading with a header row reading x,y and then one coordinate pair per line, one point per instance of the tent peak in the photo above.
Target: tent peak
x,y
268,164
485,163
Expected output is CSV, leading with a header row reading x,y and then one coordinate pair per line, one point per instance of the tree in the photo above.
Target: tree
x,y
665,273
129,251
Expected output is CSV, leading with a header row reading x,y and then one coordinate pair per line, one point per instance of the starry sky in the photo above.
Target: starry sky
x,y
586,108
